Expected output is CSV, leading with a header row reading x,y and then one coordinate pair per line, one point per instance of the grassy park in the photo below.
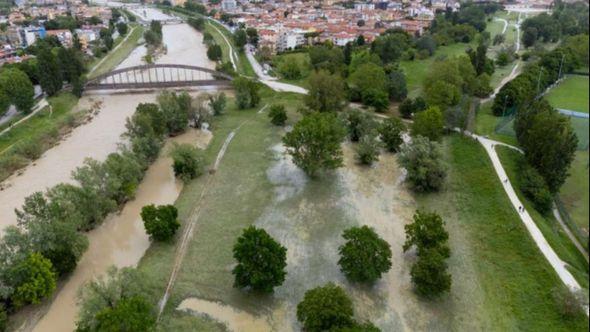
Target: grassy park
x,y
570,94
416,70
501,282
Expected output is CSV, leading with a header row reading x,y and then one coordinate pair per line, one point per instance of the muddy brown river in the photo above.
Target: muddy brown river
x,y
121,240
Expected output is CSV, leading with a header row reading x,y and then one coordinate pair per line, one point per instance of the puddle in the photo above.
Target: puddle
x,y
236,320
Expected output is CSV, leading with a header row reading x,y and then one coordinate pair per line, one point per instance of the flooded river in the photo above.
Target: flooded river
x,y
121,240
100,137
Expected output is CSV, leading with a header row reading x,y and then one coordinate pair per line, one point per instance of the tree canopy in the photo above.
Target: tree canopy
x,y
364,257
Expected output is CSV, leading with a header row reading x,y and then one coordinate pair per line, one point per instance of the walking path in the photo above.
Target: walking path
x,y
574,114
505,24
558,265
269,80
36,109
231,49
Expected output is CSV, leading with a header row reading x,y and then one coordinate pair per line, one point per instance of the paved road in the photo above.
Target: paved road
x,y
558,265
269,80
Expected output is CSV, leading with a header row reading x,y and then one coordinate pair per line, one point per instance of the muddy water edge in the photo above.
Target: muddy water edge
x,y
121,240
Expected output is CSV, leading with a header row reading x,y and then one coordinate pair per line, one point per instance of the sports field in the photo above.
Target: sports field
x,y
571,94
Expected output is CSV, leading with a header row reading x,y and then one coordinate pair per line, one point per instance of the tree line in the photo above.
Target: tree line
x,y
49,238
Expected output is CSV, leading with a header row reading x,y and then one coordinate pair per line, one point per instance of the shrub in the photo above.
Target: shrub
x,y
367,151
534,188
427,232
390,132
569,303
261,261
423,161
214,52
365,256
429,123
187,162
359,124
35,280
29,148
128,314
429,274
217,103
160,222
277,115
325,308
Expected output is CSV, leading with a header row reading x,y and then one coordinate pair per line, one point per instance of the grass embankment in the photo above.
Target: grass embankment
x,y
574,193
416,70
28,140
559,241
114,58
237,196
513,275
571,94
486,123
244,66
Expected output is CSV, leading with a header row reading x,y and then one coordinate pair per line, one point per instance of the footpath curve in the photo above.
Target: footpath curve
x,y
558,265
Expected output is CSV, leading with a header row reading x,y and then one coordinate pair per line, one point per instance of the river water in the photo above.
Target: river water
x,y
121,240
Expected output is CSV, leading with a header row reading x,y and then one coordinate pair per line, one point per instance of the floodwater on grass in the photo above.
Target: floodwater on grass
x,y
308,216
236,320
121,240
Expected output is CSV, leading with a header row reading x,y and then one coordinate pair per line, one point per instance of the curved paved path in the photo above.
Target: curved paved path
x,y
558,265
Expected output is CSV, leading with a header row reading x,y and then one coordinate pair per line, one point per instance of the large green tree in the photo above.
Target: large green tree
x,y
427,231
390,132
549,144
50,224
314,142
423,161
364,257
429,123
261,261
325,308
325,93
429,274
33,280
50,76
18,88
160,222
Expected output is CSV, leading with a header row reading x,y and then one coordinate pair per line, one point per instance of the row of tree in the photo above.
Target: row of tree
x,y
567,18
49,239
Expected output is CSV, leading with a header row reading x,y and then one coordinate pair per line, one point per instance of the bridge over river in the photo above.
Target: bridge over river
x,y
158,76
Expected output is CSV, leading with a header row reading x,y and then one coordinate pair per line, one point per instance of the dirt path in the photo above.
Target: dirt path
x,y
187,235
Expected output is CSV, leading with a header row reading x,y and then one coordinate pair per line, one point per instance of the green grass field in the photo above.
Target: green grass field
x,y
515,279
417,70
44,120
486,123
574,192
114,58
571,94
565,249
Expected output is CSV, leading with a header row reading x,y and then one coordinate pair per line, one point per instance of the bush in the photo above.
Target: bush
x,y
534,188
365,256
569,303
35,280
277,115
160,222
29,148
423,161
290,69
261,261
325,308
214,52
367,151
129,314
390,132
427,232
187,162
429,274
429,123
217,103
359,124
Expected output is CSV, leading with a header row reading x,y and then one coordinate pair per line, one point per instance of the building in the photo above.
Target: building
x,y
229,5
290,39
31,34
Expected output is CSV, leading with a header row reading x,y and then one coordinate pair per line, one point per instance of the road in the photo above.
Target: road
x,y
269,80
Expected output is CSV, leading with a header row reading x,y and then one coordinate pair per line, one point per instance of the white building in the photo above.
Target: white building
x,y
289,39
229,5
